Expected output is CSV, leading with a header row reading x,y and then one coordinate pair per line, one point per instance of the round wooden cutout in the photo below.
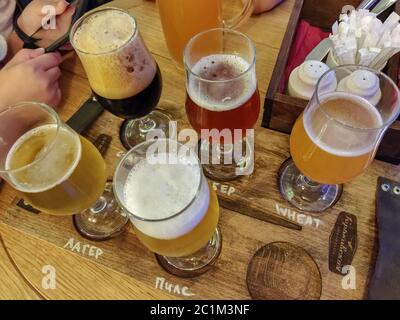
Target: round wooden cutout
x,y
283,271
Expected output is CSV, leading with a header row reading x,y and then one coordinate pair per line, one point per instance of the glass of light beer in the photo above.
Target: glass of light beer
x,y
122,73
222,100
174,211
56,170
183,19
336,137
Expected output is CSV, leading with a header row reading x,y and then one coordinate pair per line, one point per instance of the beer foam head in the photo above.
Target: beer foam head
x,y
155,191
209,90
104,31
344,125
50,166
159,191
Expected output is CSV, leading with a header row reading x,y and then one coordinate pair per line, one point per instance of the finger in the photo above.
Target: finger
x,y
59,5
24,55
34,53
71,10
66,47
56,97
47,61
64,20
54,73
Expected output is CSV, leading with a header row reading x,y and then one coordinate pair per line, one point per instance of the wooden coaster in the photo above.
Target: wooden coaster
x,y
283,271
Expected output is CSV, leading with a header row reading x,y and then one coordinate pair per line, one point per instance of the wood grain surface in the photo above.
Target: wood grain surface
x,y
124,268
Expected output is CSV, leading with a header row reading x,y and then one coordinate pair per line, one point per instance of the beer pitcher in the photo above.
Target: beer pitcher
x,y
182,19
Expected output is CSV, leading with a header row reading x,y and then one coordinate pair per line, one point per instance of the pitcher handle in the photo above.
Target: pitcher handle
x,y
242,17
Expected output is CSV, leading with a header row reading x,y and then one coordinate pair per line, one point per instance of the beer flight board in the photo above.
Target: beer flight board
x,y
87,269
242,235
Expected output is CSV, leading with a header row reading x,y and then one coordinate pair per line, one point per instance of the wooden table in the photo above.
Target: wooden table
x,y
126,270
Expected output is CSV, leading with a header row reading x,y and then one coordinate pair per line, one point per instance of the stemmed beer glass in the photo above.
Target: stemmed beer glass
x,y
161,186
123,75
56,170
222,100
336,137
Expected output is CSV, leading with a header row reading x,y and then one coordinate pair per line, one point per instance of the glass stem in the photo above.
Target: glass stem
x,y
224,148
146,124
308,189
99,206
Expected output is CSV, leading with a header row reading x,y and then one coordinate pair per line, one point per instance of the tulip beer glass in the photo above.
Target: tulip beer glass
x,y
222,100
172,207
56,170
123,74
336,137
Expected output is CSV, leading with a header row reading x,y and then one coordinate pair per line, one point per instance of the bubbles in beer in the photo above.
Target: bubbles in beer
x,y
104,31
160,191
343,125
114,55
225,82
43,162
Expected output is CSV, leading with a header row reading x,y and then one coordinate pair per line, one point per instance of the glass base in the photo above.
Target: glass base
x,y
134,132
195,264
304,194
104,220
234,168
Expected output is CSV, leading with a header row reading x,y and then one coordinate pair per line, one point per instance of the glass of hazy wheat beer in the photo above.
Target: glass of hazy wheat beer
x,y
122,73
222,100
57,171
336,137
174,210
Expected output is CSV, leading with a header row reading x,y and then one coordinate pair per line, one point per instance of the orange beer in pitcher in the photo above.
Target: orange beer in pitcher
x,y
182,19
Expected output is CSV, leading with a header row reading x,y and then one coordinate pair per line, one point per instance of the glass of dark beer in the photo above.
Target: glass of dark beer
x,y
223,102
122,73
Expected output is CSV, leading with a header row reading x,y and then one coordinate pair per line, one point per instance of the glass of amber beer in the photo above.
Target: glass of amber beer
x,y
336,137
122,73
183,19
222,100
57,171
174,211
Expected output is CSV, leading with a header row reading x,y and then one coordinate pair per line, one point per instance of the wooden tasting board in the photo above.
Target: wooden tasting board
x,y
123,268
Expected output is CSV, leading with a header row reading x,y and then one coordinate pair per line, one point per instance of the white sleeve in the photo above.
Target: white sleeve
x,y
3,48
7,8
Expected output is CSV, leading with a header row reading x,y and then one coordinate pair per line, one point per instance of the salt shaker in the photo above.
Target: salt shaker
x,y
362,83
304,79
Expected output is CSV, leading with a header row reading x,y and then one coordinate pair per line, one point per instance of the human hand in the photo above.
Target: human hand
x,y
264,5
31,75
63,25
33,16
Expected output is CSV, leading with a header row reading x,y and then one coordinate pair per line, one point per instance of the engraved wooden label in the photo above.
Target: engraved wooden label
x,y
343,242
